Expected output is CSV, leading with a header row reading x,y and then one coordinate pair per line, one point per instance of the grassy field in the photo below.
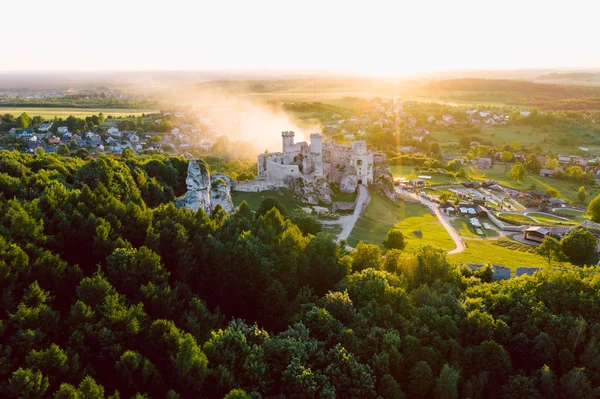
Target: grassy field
x,y
465,229
287,198
501,174
409,172
517,218
50,113
579,216
382,214
486,251
549,219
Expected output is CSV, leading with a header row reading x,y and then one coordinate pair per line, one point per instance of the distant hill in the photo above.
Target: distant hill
x,y
517,92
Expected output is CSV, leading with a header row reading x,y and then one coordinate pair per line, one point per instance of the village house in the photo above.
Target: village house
x,y
535,233
53,140
484,163
564,159
62,130
175,131
548,172
44,127
114,132
525,113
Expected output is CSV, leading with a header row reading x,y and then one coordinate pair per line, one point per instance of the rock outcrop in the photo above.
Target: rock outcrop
x,y
349,180
203,192
382,178
312,190
220,194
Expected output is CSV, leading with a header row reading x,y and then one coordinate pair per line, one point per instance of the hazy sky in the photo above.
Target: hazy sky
x,y
375,37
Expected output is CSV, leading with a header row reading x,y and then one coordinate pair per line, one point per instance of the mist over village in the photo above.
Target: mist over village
x,y
300,200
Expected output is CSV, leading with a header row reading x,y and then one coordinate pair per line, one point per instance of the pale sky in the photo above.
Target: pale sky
x,y
372,37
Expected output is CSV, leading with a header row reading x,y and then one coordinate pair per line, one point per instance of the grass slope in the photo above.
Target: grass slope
x,y
485,251
287,198
382,214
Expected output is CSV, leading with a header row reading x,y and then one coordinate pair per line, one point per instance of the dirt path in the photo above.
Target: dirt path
x,y
460,246
348,222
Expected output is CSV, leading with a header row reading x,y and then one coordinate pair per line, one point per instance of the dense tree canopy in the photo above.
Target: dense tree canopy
x,y
109,290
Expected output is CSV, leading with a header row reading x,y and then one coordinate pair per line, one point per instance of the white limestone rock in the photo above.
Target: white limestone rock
x,y
220,194
205,192
312,190
198,185
348,183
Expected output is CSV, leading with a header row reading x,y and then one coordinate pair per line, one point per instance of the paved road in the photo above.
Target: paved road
x,y
349,221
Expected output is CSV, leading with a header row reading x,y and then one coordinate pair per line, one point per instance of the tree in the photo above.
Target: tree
x,y
579,244
269,203
551,249
517,172
447,382
62,149
581,194
366,256
507,156
24,121
28,384
100,118
394,240
421,380
308,224
593,209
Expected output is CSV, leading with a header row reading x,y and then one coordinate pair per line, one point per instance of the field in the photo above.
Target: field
x,y
501,174
50,113
409,172
287,198
382,214
549,219
579,216
550,138
486,251
464,228
516,218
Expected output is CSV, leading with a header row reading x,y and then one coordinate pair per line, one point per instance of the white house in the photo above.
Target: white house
x,y
114,132
525,113
134,138
44,127
175,131
62,130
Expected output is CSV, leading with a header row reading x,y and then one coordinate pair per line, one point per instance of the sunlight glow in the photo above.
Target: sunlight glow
x,y
374,37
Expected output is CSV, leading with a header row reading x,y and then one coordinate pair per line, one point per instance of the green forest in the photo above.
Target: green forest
x,y
110,291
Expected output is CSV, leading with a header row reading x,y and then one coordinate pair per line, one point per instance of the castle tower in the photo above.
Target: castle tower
x,y
287,140
316,153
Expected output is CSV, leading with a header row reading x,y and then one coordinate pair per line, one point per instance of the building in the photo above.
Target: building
x,y
547,172
44,127
535,233
62,130
329,160
484,163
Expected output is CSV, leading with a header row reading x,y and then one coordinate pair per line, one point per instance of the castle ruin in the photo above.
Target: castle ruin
x,y
345,164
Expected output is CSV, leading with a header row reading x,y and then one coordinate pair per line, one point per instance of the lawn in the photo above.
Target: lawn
x,y
382,214
339,196
516,217
486,251
50,113
579,216
543,218
409,172
465,229
287,198
501,174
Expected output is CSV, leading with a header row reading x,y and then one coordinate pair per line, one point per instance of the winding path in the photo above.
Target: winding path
x,y
349,221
